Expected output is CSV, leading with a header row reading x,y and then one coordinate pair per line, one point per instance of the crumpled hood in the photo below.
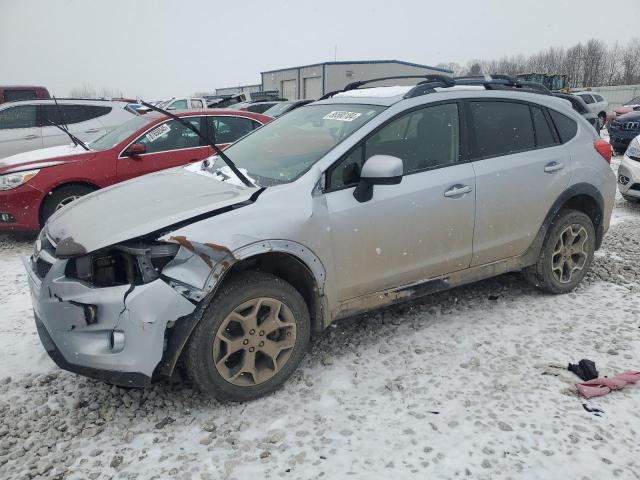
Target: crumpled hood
x,y
140,206
44,157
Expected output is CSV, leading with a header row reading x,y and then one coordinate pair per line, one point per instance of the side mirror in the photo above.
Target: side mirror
x,y
378,170
135,150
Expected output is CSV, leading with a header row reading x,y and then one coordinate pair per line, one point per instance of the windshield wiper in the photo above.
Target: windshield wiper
x,y
73,138
243,178
76,141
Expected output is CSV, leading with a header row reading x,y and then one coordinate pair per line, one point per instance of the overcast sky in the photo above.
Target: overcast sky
x,y
160,48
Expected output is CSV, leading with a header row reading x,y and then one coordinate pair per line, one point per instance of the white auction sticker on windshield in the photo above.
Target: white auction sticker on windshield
x,y
154,134
342,116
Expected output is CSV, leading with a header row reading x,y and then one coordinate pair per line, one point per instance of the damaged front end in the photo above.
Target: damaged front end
x,y
109,314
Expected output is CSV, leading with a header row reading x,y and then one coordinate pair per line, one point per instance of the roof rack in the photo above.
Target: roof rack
x,y
433,81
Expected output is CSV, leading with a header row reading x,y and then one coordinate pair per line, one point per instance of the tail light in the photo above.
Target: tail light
x,y
603,148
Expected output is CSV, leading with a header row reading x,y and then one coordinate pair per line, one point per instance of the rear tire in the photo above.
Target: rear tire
x,y
251,338
60,198
566,254
602,120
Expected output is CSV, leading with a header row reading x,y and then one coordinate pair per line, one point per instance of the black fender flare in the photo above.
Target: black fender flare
x,y
586,189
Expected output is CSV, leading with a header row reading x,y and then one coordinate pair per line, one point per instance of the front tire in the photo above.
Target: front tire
x,y
251,338
60,198
566,253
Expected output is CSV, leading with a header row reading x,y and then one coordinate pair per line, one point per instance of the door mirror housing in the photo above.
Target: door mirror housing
x,y
378,170
135,150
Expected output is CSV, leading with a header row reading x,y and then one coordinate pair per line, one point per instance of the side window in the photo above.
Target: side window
x,y
544,137
347,171
228,129
501,128
566,127
170,135
13,95
63,114
23,116
95,111
588,99
196,104
178,105
423,139
598,98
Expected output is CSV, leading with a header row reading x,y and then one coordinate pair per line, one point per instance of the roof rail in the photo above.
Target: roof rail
x,y
433,81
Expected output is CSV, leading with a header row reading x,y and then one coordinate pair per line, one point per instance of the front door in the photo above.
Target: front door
x,y
169,144
418,229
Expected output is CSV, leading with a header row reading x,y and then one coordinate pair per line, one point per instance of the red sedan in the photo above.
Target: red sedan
x,y
33,185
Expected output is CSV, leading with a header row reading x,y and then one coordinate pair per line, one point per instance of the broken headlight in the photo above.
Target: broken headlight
x,y
126,264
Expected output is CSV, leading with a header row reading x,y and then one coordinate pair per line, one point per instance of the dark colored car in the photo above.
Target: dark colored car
x,y
624,129
580,106
254,106
281,108
13,93
33,185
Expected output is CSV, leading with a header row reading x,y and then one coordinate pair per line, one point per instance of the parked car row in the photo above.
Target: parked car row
x,y
34,184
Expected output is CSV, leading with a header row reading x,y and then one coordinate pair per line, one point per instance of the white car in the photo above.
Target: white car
x,y
26,125
596,103
629,172
185,103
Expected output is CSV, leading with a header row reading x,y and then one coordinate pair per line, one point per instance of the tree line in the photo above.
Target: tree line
x,y
589,64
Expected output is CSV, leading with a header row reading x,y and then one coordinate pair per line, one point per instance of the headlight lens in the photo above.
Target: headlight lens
x,y
13,180
633,150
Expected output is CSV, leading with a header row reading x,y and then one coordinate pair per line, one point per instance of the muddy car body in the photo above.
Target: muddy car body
x,y
124,299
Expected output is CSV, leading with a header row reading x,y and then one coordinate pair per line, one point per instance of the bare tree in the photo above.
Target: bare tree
x,y
85,91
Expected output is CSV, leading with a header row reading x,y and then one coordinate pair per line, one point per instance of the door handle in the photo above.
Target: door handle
x,y
553,167
30,137
92,130
457,190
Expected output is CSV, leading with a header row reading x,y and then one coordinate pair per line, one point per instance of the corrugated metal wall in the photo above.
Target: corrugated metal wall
x,y
319,79
239,89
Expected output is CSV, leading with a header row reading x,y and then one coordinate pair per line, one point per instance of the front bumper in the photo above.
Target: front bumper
x,y
23,205
122,342
629,177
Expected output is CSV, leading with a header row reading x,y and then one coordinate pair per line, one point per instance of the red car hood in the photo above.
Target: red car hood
x,y
45,157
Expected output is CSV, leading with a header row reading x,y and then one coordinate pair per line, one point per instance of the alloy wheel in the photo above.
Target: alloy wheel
x,y
66,201
254,341
569,255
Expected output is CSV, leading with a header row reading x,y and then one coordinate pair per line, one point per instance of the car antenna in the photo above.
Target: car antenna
x,y
243,178
65,128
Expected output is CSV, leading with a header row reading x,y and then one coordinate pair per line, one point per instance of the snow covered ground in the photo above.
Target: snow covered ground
x,y
469,383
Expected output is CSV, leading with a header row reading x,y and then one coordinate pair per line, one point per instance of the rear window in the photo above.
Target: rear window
x,y
501,128
598,98
70,114
565,127
13,95
588,99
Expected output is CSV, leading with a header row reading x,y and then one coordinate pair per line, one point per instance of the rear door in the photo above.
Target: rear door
x,y
19,130
169,144
519,165
418,229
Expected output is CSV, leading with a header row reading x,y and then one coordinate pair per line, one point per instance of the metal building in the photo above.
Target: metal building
x,y
239,89
313,81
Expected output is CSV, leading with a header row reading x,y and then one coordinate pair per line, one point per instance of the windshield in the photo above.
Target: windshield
x,y
283,150
278,109
121,133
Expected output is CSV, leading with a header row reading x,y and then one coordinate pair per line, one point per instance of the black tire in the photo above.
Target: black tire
x,y
602,120
542,273
199,354
53,201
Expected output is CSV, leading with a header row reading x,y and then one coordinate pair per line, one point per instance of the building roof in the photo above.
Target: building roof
x,y
361,62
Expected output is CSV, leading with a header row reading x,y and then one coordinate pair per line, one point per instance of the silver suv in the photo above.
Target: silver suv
x,y
365,198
